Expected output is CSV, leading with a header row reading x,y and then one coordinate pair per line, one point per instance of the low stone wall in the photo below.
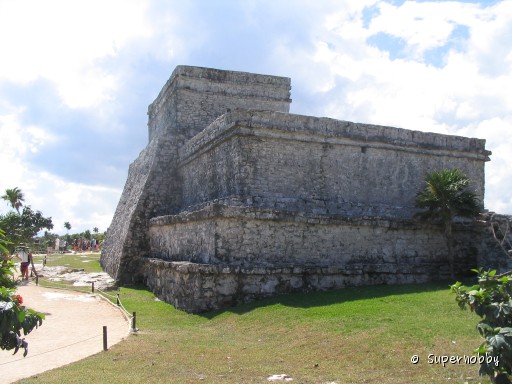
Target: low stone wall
x,y
222,256
199,288
249,236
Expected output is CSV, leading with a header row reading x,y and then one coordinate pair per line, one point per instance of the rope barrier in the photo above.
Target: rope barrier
x,y
102,335
106,294
119,306
53,350
101,293
53,284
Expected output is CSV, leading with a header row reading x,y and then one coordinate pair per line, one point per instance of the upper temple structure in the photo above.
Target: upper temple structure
x,y
235,199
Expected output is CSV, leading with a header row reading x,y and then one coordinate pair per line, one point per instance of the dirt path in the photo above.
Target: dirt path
x,y
73,330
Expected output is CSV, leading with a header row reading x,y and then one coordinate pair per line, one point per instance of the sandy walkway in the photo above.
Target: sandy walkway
x,y
73,330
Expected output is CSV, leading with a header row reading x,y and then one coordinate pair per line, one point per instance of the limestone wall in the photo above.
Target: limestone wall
x,y
222,255
494,255
319,165
194,97
221,234
150,190
191,99
203,287
214,174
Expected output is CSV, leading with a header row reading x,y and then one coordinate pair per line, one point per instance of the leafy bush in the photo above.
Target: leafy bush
x,y
14,318
7,274
6,265
491,299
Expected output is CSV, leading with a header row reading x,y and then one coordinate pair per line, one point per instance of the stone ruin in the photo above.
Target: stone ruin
x,y
235,199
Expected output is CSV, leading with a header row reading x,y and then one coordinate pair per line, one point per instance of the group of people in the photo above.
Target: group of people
x,y
77,245
84,245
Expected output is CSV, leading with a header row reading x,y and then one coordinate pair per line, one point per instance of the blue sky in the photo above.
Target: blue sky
x,y
76,78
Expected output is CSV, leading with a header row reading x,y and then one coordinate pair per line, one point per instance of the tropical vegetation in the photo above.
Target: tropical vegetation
x,y
491,300
15,198
15,318
445,196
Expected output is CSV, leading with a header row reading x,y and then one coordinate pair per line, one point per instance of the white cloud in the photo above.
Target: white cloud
x,y
468,95
13,149
85,206
498,175
423,26
18,141
64,41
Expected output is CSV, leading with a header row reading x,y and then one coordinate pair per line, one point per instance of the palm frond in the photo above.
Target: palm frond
x,y
445,193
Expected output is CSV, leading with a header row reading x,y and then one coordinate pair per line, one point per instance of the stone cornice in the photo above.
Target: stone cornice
x,y
285,126
215,210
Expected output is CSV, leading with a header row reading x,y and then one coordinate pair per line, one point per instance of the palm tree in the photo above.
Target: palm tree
x,y
95,229
14,197
446,196
67,225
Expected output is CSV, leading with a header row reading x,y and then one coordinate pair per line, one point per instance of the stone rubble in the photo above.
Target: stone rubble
x,y
102,280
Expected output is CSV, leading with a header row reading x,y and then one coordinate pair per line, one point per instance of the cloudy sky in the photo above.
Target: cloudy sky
x,y
76,78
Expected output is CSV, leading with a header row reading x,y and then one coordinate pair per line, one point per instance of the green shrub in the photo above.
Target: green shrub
x,y
14,318
491,299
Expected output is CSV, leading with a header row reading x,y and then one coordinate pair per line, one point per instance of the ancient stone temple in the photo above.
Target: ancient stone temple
x,y
235,199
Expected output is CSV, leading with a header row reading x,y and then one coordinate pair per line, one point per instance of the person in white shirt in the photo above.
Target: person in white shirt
x,y
23,253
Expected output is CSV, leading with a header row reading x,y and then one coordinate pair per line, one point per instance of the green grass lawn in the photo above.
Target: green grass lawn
x,y
357,335
87,261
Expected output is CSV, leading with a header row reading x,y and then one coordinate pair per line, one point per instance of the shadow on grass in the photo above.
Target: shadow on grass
x,y
326,298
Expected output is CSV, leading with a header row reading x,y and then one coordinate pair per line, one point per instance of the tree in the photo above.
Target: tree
x,y
446,196
95,229
67,225
22,227
14,197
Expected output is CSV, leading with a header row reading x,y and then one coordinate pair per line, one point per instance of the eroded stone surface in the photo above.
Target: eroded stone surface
x,y
79,278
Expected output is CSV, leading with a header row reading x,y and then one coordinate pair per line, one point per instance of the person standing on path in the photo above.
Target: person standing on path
x,y
23,253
